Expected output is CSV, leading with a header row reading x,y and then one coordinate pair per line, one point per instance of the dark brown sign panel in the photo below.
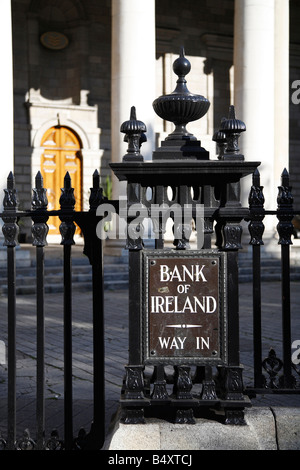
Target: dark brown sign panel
x,y
184,307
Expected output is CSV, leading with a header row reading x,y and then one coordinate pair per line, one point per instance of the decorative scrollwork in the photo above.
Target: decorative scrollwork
x,y
54,443
10,227
296,369
160,391
3,442
208,390
96,195
183,384
285,210
256,206
182,233
10,231
39,204
235,417
135,234
67,203
232,235
134,382
272,365
231,382
185,416
25,443
80,440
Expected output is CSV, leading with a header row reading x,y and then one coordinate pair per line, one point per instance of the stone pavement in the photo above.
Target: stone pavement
x,y
116,347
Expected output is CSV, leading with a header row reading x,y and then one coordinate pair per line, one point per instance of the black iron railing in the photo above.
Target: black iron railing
x,y
271,374
87,222
280,375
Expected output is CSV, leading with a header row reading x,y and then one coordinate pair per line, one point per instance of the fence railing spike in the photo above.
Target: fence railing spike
x,y
256,178
285,178
96,179
39,181
10,181
132,113
67,180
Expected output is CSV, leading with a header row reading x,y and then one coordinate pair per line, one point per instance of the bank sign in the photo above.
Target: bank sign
x,y
184,307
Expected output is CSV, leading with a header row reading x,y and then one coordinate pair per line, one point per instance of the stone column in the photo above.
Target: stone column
x,y
133,72
254,87
261,91
282,91
6,117
6,81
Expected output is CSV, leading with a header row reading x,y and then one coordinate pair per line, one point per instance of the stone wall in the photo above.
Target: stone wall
x,y
81,73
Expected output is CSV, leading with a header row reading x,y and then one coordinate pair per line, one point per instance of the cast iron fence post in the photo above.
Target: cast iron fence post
x,y
10,231
67,230
39,233
256,229
285,230
181,165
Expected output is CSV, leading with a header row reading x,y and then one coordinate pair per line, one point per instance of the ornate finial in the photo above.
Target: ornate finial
x,y
181,67
39,194
96,179
220,138
10,201
134,131
10,227
67,199
256,206
181,106
67,203
285,210
96,196
232,128
39,203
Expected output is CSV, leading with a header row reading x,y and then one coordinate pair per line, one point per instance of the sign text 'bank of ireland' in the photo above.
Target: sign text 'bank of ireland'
x,y
185,309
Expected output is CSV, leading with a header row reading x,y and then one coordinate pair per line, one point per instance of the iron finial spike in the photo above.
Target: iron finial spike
x,y
10,181
231,114
182,52
285,177
39,180
132,113
67,180
256,178
96,179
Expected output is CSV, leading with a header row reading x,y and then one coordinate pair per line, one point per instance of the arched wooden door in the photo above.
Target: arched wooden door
x,y
62,153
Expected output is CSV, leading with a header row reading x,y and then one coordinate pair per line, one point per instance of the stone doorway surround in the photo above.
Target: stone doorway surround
x,y
82,119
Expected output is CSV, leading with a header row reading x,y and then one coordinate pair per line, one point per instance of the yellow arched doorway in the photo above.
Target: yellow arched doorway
x,y
62,153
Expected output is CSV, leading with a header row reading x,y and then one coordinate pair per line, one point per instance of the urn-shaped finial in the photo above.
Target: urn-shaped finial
x,y
134,131
181,106
232,127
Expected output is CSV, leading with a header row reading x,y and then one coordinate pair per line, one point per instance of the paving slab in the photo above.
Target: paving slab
x,y
288,427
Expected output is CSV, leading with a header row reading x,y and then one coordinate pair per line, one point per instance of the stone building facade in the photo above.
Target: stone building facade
x,y
80,66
